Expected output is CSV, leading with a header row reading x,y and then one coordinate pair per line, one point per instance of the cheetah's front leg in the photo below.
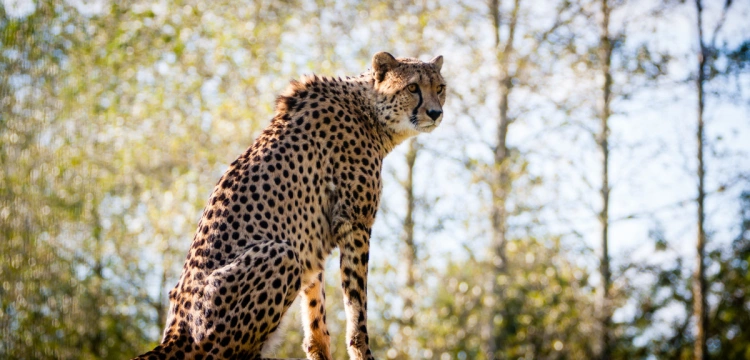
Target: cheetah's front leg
x,y
317,340
355,249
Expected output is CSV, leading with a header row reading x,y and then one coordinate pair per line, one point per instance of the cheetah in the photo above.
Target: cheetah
x,y
311,182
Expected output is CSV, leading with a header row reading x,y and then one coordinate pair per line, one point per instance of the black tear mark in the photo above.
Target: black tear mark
x,y
413,117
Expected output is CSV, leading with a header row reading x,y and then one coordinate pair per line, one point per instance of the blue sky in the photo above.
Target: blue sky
x,y
653,141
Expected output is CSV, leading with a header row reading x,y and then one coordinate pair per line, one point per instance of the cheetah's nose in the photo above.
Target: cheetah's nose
x,y
434,114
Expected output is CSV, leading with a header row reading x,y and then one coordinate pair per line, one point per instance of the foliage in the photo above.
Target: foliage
x,y
728,334
546,302
118,117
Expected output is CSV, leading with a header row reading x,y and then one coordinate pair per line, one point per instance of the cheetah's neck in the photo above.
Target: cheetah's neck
x,y
388,138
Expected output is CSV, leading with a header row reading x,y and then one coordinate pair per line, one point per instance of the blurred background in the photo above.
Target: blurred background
x,y
586,197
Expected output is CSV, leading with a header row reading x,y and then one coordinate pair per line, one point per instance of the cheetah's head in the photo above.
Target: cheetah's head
x,y
409,93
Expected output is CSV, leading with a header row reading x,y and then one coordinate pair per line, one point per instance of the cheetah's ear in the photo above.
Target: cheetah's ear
x,y
381,63
437,61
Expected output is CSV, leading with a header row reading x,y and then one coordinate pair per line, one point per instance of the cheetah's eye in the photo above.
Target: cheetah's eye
x,y
440,89
413,87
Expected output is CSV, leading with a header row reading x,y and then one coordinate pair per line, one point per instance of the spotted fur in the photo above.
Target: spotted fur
x,y
311,182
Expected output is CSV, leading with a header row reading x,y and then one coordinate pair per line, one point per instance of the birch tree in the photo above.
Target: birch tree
x,y
709,52
604,111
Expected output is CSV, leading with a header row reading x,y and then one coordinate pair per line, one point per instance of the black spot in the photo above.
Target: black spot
x,y
259,316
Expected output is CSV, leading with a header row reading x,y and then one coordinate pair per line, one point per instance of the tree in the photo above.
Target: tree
x,y
513,68
604,111
500,183
699,283
409,245
100,197
708,54
730,319
670,289
116,121
547,294
610,69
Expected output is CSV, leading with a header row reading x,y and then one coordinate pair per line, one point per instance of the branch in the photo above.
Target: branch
x,y
680,203
720,23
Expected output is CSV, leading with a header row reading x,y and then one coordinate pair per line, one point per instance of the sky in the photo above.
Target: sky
x,y
652,165
653,144
652,157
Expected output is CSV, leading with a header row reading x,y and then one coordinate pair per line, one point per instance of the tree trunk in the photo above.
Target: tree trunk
x,y
500,177
410,250
605,56
699,283
96,291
